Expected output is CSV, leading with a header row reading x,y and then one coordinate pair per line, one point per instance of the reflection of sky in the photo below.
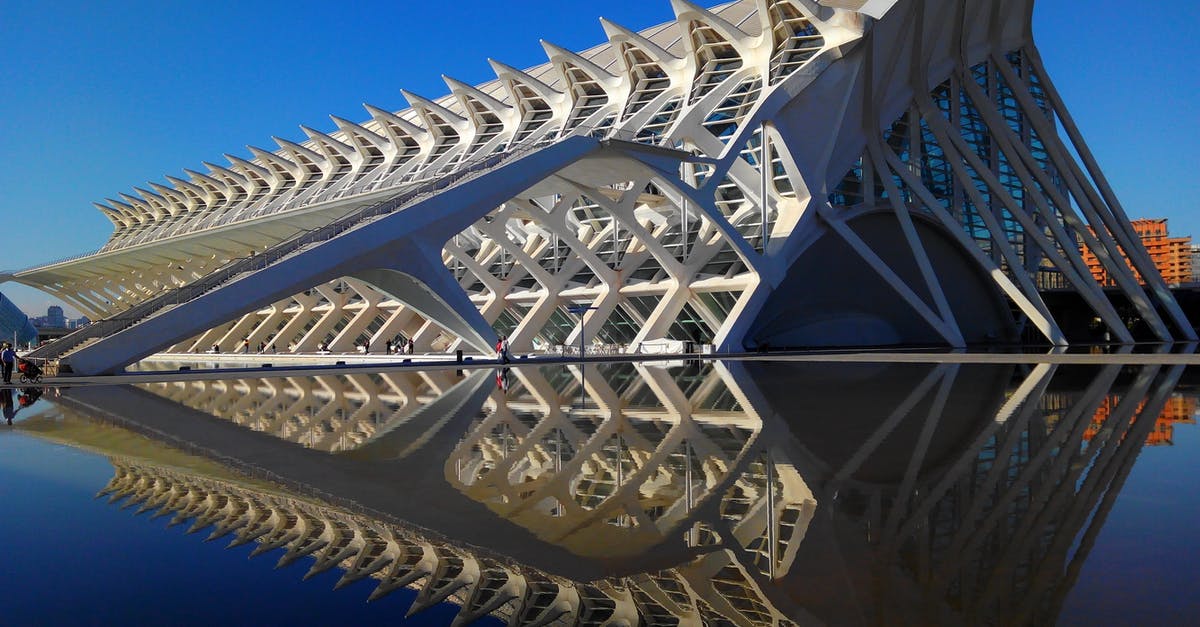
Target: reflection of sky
x,y
71,558
1143,567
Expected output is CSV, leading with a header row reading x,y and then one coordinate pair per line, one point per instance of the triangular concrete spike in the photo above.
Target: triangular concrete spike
x,y
584,64
421,102
456,86
292,146
617,32
324,138
353,129
728,31
501,69
380,114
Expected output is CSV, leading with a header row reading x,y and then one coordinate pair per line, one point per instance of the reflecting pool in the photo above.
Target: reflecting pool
x,y
673,493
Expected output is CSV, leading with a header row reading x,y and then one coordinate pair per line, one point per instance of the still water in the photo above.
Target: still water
x,y
743,493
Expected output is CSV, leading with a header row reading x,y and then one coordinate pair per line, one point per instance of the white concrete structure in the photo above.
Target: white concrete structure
x,y
921,186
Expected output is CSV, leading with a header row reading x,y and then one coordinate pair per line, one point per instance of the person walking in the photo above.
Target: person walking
x,y
8,357
411,347
504,348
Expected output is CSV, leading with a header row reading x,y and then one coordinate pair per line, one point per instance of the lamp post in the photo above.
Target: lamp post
x,y
580,310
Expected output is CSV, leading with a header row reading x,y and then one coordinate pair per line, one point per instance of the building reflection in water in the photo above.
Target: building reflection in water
x,y
748,493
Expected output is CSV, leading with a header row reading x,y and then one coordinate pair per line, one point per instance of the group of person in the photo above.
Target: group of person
x,y
400,346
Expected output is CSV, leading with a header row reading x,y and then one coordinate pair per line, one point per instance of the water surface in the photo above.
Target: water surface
x,y
759,492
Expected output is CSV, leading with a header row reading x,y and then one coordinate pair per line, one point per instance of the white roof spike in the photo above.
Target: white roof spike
x,y
114,216
136,202
356,131
558,53
325,141
458,87
506,71
229,176
685,10
168,193
418,103
187,185
617,33
246,165
298,150
148,195
176,200
201,177
383,115
274,160
135,207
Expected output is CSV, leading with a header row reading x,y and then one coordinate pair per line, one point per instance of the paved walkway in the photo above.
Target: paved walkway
x,y
227,366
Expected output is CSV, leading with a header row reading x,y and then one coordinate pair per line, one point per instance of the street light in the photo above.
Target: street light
x,y
580,310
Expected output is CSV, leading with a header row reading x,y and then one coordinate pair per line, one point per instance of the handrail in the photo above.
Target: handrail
x,y
241,265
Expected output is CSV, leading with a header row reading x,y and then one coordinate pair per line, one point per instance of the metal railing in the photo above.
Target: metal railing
x,y
246,265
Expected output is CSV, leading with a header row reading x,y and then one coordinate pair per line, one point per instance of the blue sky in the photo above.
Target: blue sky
x,y
97,98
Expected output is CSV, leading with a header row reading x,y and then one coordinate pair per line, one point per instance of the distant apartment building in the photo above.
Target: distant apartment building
x,y
1179,409
1172,256
56,319
1195,264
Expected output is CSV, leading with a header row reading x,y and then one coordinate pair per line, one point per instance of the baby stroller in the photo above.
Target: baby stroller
x,y
30,372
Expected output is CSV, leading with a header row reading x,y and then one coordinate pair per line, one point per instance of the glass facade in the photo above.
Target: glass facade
x,y
15,324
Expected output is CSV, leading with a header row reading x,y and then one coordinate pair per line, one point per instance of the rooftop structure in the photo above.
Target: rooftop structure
x,y
762,173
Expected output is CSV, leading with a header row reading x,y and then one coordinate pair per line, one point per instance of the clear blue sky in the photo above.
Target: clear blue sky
x,y
97,98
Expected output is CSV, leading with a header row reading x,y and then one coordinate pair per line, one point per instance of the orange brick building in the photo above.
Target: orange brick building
x,y
1178,410
1171,255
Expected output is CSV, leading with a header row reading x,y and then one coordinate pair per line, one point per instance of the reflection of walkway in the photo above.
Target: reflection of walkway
x,y
748,493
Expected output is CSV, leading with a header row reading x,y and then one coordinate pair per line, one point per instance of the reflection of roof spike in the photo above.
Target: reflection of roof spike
x,y
458,87
384,117
597,72
506,71
617,33
420,102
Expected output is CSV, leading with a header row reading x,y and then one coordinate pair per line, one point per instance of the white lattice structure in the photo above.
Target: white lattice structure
x,y
921,187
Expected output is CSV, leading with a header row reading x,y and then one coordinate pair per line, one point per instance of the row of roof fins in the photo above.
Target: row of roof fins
x,y
324,147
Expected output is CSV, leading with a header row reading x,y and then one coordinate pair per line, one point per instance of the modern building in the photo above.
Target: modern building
x,y
14,324
54,318
1172,256
765,173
